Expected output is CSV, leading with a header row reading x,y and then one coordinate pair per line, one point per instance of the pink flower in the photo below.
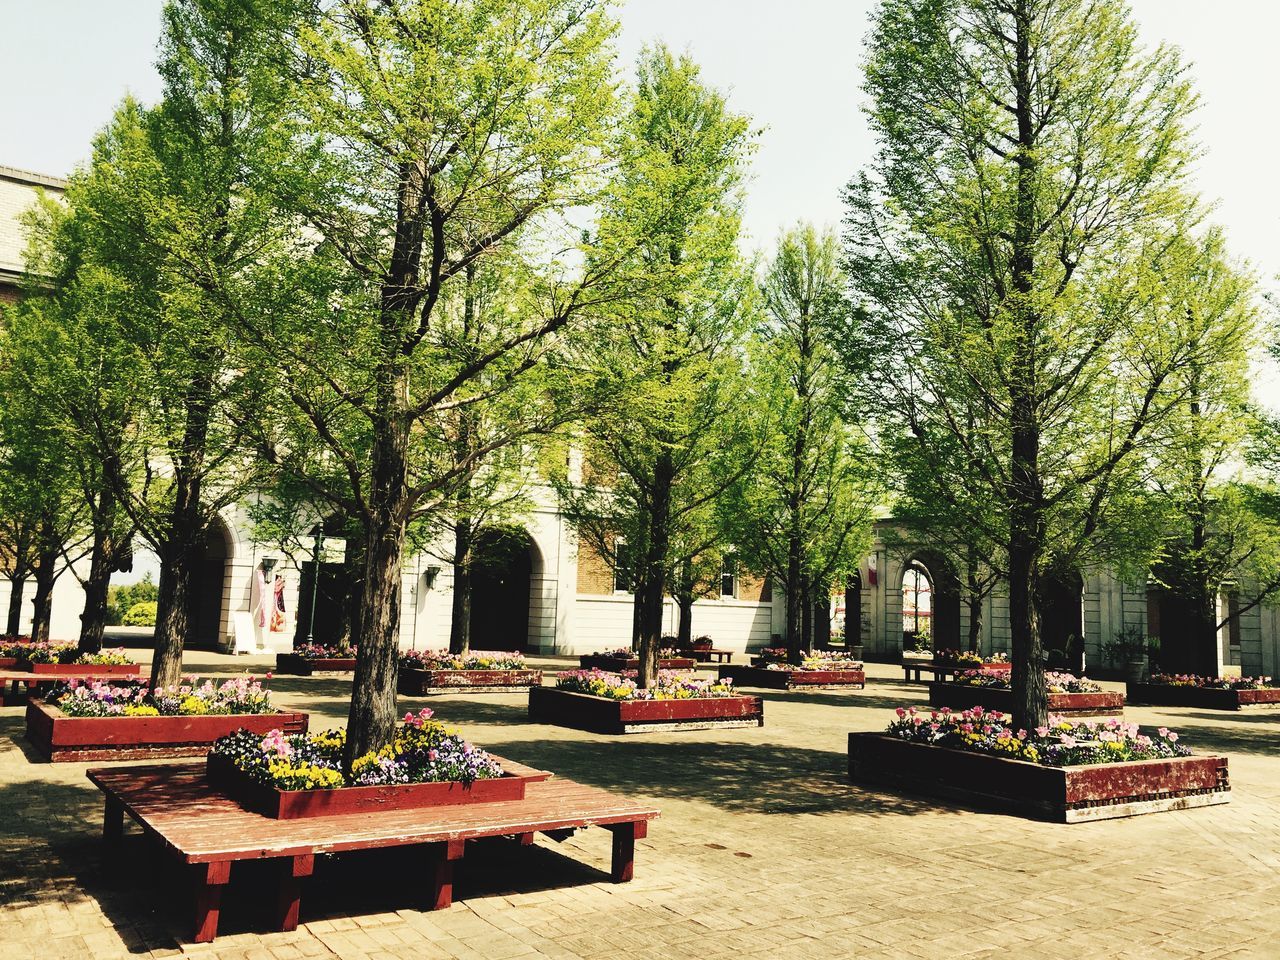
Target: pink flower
x,y
1042,731
901,712
1173,737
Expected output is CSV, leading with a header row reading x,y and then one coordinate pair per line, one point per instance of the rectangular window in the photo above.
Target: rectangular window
x,y
729,577
623,568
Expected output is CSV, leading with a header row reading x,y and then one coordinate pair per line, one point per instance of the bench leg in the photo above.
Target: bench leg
x,y
210,879
443,855
625,836
112,820
289,898
526,839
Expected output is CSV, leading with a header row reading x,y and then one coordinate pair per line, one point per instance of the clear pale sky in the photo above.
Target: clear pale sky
x,y
793,66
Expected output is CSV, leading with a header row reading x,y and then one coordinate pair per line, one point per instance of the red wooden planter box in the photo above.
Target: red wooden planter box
x,y
1167,695
594,661
413,682
582,711
960,696
298,804
292,663
1064,794
791,679
95,670
957,667
58,737
8,662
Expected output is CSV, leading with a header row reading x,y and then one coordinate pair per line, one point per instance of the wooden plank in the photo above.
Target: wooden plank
x,y
174,804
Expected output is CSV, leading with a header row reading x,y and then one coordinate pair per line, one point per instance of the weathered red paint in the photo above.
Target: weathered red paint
x,y
1167,695
296,665
58,737
961,696
744,676
604,715
279,804
414,682
1028,787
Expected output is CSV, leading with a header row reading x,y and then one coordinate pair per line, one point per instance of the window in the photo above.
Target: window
x,y
729,577
623,567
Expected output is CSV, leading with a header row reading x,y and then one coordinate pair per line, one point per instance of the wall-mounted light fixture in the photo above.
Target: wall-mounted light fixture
x,y
429,576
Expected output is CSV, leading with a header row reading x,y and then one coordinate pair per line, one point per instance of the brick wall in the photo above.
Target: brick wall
x,y
595,576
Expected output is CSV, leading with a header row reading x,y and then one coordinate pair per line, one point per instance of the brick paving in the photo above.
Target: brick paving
x,y
763,850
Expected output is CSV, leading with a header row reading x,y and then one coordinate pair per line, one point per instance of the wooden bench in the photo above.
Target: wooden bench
x,y
941,671
709,654
207,831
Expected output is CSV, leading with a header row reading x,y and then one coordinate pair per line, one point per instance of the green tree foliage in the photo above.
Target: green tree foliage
x,y
803,516
658,460
1011,240
439,135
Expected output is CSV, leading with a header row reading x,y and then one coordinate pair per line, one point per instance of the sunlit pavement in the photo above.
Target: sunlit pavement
x,y
763,849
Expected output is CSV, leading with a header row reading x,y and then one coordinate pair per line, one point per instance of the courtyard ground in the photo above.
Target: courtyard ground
x,y
763,849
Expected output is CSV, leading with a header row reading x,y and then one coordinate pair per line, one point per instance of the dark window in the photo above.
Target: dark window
x,y
623,568
729,577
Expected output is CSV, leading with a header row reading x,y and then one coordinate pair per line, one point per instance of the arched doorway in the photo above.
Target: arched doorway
x,y
337,595
1062,619
206,613
930,602
501,572
851,609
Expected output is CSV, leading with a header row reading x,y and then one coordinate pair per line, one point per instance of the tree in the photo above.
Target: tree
x,y
1008,240
659,459
1218,529
445,132
802,517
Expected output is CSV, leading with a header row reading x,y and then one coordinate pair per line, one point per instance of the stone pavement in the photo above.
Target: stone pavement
x,y
763,850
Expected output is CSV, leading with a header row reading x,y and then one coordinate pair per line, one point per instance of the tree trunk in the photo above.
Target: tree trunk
x,y
173,612
93,619
974,602
684,604
45,577
806,620
652,590
821,604
17,587
460,623
372,718
1026,507
795,601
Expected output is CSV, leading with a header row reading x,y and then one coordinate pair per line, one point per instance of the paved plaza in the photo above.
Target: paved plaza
x,y
763,849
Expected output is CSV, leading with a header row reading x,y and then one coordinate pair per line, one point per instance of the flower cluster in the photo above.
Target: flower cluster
x,y
626,653
999,680
423,751
1210,683
966,656
14,646
774,655
670,685
1063,743
471,660
190,698
817,660
325,651
63,653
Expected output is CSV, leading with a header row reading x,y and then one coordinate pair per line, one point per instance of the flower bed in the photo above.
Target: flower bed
x,y
309,659
787,677
424,672
992,690
1213,693
99,721
290,777
65,659
1072,771
963,659
11,648
613,703
624,658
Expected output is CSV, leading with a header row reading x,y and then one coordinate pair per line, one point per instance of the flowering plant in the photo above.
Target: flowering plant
x,y
626,653
1062,743
342,650
1210,683
1057,682
45,652
12,645
815,660
471,660
423,751
966,656
189,698
670,685
774,655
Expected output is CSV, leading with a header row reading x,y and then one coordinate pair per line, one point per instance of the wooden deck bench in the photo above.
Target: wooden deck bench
x,y
207,831
911,671
709,655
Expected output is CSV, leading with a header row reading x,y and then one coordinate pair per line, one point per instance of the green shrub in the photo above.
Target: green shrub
x,y
142,614
121,599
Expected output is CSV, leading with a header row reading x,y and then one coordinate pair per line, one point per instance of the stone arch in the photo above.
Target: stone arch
x,y
208,612
944,599
1061,604
506,568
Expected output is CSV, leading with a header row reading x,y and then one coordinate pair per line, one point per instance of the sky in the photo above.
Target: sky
x,y
793,66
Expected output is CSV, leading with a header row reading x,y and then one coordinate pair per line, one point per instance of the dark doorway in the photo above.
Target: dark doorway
x,y
336,599
1172,620
500,579
208,587
1062,619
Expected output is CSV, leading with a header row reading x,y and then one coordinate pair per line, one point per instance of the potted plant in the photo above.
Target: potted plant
x,y
1128,649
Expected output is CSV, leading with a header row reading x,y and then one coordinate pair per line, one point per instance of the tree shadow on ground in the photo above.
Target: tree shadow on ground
x,y
742,777
1204,739
855,698
1263,715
